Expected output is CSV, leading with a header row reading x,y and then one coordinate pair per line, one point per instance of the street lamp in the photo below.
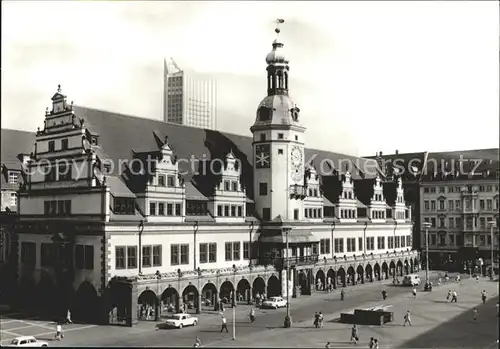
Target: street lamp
x,y
288,318
158,296
492,224
426,225
234,301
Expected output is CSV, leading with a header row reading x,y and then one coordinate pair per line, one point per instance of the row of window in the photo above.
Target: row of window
x,y
457,189
52,255
312,213
126,256
173,209
57,207
456,204
347,213
376,214
170,181
230,210
280,135
124,206
230,185
313,192
64,145
60,173
456,222
392,243
13,177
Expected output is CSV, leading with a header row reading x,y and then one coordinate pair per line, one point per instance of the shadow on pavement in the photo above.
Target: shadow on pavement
x,y
462,331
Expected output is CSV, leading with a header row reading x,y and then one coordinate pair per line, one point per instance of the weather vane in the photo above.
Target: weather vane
x,y
278,22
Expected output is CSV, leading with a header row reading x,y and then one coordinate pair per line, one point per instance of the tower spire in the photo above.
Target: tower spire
x,y
277,30
277,66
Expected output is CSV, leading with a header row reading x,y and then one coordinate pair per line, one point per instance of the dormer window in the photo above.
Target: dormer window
x,y
161,180
264,114
94,141
13,177
262,136
64,144
52,146
170,181
227,185
281,136
235,186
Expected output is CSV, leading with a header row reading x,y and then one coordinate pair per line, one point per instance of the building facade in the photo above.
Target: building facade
x,y
120,213
189,99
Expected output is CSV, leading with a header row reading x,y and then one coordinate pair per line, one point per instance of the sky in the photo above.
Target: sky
x,y
367,76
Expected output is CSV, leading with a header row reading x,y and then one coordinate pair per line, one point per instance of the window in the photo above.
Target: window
x,y
390,242
120,257
170,209
296,137
161,180
240,211
450,204
262,136
397,241
219,210
280,136
451,222
84,257
426,190
13,177
178,210
47,255
124,206
433,205
489,204
212,252
481,204
152,208
233,211
13,199
227,185
229,251
409,241
441,204
482,222
441,189
235,186
441,222
236,251
174,254
246,250
146,256
203,253
360,244
64,144
433,189
370,243
184,254
131,257
351,245
52,145
266,213
170,181
296,214
50,174
262,189
280,151
457,204
339,245
161,209
226,210
324,246
157,256
433,222
442,239
403,241
381,242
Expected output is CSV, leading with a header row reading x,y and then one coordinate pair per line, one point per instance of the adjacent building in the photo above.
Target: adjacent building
x,y
119,213
189,98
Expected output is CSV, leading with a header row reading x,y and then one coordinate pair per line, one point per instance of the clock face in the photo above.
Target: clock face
x,y
263,156
296,157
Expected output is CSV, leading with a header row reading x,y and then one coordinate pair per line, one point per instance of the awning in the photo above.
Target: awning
x,y
294,237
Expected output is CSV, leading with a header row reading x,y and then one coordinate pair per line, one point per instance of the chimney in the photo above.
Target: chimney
x,y
397,152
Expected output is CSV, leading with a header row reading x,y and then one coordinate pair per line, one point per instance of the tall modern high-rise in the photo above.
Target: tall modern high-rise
x,y
189,98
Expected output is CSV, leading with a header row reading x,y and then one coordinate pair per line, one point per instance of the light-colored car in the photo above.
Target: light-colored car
x,y
182,320
274,302
27,341
411,280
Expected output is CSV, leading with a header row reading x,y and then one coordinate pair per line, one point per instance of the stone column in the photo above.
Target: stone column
x,y
132,311
198,306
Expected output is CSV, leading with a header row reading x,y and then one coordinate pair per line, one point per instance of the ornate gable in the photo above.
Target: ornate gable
x,y
347,205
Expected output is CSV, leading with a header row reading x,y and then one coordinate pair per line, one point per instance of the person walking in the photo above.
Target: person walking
x,y
375,343
197,344
68,317
59,334
354,334
448,296
320,319
252,315
454,296
483,296
384,294
372,343
327,345
316,320
224,324
342,294
414,292
407,318
474,311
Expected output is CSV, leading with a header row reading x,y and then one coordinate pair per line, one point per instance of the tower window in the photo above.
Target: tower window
x,y
262,189
262,136
280,151
51,145
280,136
296,214
296,137
64,144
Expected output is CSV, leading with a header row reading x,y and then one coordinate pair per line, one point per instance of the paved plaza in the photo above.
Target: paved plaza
x,y
436,323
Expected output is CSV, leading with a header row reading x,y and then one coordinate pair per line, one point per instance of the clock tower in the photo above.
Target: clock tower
x,y
278,144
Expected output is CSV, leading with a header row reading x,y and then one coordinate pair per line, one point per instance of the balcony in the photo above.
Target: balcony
x,y
298,191
280,263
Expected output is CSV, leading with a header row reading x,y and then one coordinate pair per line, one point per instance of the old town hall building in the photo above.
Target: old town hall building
x,y
118,213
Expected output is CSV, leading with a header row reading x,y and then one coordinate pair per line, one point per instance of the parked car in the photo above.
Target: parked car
x,y
411,280
181,320
27,341
274,302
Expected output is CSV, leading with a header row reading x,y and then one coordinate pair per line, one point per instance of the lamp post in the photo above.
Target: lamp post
x,y
179,295
426,225
492,224
288,318
158,296
234,301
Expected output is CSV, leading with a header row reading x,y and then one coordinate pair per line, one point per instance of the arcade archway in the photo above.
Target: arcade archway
x,y
377,272
412,270
258,286
351,276
303,284
406,267
147,305
331,278
86,305
46,293
273,286
369,272
226,292
361,274
320,281
399,268
341,277
385,271
243,291
209,296
170,299
392,269
190,299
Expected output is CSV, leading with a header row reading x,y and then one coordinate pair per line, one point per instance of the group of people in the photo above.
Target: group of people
x,y
452,296
318,319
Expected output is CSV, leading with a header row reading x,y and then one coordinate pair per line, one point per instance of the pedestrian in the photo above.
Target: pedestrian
x,y
475,313
342,294
372,343
59,334
414,293
375,343
448,296
68,317
197,344
458,278
477,278
224,324
454,296
252,315
407,318
354,334
384,294
327,345
316,320
320,319
483,296
446,277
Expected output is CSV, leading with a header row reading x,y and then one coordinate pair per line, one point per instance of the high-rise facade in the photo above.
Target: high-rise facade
x,y
189,99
